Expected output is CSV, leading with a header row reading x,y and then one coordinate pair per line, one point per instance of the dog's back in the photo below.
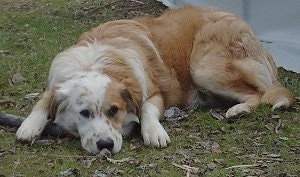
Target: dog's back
x,y
217,52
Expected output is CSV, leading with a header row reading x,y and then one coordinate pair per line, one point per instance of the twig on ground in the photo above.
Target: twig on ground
x,y
188,169
16,165
278,126
241,166
136,1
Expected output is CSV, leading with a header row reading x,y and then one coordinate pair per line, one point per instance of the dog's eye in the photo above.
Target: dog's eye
x,y
85,113
112,111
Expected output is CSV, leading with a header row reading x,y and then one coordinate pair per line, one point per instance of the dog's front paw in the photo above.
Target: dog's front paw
x,y
154,134
31,128
28,132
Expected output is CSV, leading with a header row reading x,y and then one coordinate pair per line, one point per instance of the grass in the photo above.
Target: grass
x,y
33,32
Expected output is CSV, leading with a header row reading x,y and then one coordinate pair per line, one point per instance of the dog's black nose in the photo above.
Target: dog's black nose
x,y
108,143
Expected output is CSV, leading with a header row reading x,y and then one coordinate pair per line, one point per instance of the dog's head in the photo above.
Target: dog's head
x,y
94,107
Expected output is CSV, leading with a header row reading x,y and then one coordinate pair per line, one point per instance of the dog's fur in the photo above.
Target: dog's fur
x,y
132,70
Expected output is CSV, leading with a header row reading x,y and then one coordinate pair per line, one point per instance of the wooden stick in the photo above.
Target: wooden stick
x,y
241,166
187,168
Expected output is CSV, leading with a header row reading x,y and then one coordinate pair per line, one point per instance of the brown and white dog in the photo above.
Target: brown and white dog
x,y
132,70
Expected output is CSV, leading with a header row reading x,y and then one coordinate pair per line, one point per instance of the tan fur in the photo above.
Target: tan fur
x,y
222,47
188,40
113,98
130,34
148,64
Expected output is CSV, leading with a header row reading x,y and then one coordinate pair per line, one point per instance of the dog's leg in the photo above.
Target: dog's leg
x,y
34,124
152,131
248,103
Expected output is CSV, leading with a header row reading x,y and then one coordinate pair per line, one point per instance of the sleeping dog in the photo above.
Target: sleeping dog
x,y
132,70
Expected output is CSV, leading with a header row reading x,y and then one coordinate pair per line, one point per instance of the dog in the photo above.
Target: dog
x,y
132,70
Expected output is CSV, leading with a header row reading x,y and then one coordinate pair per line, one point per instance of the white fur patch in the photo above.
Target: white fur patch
x,y
73,62
238,109
33,126
152,131
93,130
281,103
90,92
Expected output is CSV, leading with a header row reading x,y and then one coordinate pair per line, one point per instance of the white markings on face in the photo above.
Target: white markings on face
x,y
80,111
70,63
95,130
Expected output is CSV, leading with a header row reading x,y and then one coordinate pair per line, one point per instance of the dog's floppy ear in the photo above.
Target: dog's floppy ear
x,y
52,107
57,99
132,105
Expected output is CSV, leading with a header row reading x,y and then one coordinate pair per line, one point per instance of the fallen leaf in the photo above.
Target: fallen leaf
x,y
178,130
12,150
275,116
7,103
219,161
50,164
104,153
146,166
245,170
174,113
295,149
273,155
4,52
118,161
69,172
215,148
188,169
31,96
99,173
274,127
114,172
211,166
87,162
217,113
270,126
17,78
284,138
45,142
197,160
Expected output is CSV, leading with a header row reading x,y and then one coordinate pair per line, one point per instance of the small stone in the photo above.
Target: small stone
x,y
211,166
17,78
